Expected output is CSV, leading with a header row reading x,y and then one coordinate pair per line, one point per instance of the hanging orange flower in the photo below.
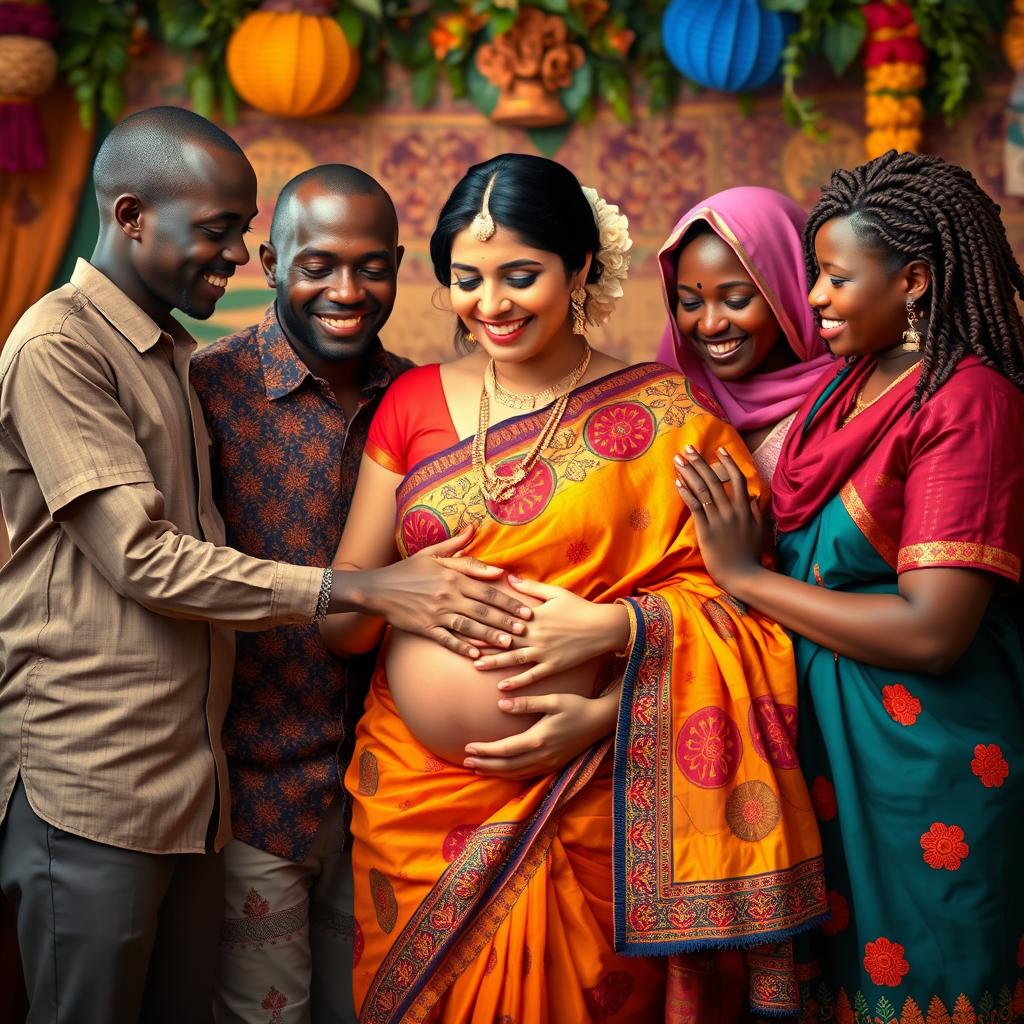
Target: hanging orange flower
x,y
894,72
453,31
619,39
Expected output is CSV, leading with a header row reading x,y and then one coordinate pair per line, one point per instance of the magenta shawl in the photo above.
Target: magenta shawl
x,y
764,229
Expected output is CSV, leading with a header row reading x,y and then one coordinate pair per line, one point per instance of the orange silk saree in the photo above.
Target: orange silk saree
x,y
484,900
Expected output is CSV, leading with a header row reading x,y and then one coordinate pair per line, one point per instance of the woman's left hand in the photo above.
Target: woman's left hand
x,y
565,631
570,725
730,529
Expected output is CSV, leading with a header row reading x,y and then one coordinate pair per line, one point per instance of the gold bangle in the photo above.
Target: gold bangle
x,y
631,616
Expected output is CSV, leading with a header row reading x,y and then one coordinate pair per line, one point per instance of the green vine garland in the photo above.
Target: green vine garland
x,y
437,41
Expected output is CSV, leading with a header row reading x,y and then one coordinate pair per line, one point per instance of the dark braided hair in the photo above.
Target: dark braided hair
x,y
911,206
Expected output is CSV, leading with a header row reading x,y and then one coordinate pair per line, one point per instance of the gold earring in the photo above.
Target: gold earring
x,y
576,306
471,338
911,336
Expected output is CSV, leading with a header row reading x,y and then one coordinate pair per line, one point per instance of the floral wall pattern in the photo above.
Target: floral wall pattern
x,y
654,168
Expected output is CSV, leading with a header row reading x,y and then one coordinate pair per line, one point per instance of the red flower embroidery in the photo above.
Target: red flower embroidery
x,y
274,1000
885,963
620,432
709,748
944,846
639,518
902,706
455,842
609,995
421,527
989,765
531,496
823,796
578,551
255,905
492,961
840,911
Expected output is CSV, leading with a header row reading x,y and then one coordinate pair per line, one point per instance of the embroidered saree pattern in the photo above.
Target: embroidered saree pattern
x,y
503,892
672,900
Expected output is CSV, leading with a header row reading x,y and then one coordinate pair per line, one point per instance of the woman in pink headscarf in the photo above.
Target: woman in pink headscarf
x,y
740,326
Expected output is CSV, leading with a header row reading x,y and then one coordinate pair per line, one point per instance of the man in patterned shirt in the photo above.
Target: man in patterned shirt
x,y
288,403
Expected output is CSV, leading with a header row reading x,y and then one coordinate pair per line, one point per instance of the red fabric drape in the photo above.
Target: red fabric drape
x,y
38,209
37,213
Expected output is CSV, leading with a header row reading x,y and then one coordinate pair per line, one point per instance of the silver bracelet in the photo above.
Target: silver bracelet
x,y
323,601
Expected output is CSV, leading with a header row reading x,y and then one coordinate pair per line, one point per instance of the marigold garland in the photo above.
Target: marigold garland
x,y
894,73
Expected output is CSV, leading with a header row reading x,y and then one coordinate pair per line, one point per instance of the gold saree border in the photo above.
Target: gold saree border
x,y
383,458
958,552
468,903
885,545
654,914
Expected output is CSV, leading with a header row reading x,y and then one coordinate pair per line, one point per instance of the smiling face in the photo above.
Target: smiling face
x,y
190,245
722,314
513,299
859,301
335,270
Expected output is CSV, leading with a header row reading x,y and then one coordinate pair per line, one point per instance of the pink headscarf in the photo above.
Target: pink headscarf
x,y
764,228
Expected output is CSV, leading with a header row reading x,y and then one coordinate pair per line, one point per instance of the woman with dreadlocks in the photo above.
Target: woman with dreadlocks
x,y
899,500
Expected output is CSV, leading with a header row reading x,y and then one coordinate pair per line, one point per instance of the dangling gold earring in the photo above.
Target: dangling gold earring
x,y
471,338
911,336
579,316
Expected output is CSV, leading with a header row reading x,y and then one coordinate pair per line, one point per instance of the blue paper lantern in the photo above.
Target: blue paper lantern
x,y
732,45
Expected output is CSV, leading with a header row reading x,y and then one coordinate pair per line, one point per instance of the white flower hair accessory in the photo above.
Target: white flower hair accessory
x,y
613,255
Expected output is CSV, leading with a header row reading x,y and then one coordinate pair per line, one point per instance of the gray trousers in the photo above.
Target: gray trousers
x,y
109,936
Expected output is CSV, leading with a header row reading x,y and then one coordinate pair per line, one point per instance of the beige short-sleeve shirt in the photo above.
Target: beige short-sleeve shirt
x,y
118,602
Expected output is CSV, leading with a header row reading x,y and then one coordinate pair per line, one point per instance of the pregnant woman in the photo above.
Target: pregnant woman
x,y
483,897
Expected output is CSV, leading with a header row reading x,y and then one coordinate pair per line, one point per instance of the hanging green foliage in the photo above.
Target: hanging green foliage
x,y
621,59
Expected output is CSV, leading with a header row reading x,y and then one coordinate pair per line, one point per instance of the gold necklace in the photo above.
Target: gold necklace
x,y
513,400
501,488
859,405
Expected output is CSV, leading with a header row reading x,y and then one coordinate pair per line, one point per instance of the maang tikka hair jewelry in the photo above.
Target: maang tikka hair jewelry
x,y
576,306
482,226
911,336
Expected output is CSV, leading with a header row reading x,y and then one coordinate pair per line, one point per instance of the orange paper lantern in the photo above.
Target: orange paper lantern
x,y
292,59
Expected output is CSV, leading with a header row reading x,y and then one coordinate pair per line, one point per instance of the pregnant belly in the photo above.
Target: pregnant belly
x,y
447,703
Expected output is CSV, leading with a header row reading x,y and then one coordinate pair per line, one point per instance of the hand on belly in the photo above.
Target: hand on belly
x,y
447,703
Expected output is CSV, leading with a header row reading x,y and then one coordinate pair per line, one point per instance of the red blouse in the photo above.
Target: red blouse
x,y
412,422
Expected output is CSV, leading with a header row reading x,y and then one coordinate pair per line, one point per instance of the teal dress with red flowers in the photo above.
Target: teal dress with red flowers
x,y
917,779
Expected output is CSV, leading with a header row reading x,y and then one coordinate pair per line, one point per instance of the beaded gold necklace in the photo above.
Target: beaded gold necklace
x,y
501,488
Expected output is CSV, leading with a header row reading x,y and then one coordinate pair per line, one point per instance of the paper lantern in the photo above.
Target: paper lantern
x,y
732,45
28,67
292,59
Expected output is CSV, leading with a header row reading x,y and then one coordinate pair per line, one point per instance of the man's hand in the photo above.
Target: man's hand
x,y
438,594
